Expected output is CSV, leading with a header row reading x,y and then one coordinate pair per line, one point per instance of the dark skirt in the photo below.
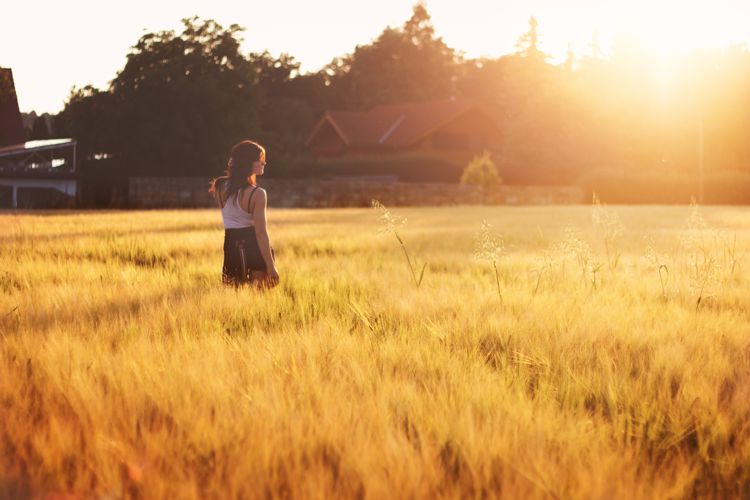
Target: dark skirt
x,y
241,255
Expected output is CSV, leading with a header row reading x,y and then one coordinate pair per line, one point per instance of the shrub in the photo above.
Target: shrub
x,y
726,187
481,170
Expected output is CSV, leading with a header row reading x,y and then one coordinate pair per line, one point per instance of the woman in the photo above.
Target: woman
x,y
248,256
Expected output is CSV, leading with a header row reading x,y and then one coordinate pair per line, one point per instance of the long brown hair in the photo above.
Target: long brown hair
x,y
240,166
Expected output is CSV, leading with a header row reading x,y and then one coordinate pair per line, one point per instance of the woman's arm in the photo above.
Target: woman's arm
x,y
215,191
261,233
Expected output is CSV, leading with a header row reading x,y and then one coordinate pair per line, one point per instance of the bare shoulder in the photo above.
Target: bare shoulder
x,y
258,199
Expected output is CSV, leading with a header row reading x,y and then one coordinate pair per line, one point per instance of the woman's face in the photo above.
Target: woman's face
x,y
259,166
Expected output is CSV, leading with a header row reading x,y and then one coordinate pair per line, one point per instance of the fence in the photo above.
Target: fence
x,y
173,192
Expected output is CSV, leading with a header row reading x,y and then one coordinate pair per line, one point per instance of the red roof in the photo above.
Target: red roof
x,y
11,126
395,125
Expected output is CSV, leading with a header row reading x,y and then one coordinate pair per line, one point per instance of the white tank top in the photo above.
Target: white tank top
x,y
233,215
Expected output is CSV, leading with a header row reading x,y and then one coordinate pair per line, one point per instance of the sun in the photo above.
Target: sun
x,y
658,37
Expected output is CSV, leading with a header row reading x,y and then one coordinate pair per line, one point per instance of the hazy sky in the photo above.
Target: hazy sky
x,y
53,45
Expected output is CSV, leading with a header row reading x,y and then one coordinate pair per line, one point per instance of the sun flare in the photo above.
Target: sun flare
x,y
673,26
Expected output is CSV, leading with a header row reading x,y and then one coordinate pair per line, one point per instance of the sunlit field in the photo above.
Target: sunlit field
x,y
608,356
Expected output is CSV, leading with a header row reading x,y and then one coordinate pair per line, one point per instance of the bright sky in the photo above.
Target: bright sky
x,y
52,45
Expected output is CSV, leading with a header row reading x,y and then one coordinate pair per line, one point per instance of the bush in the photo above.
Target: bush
x,y
481,170
405,167
667,187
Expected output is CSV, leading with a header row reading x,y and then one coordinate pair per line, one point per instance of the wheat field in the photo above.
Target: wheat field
x,y
545,352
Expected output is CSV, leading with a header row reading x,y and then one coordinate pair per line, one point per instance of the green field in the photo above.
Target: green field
x,y
608,357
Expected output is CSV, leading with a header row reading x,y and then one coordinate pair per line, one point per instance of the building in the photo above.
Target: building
x,y
33,174
454,130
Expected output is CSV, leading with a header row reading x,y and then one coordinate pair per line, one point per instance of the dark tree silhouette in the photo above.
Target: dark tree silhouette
x,y
91,118
405,64
183,99
39,130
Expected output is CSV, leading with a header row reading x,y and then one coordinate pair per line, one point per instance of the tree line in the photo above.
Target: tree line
x,y
182,99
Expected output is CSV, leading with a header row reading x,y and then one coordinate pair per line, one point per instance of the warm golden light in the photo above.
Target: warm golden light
x,y
475,27
672,25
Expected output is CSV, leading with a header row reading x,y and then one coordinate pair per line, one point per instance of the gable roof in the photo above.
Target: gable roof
x,y
394,125
11,125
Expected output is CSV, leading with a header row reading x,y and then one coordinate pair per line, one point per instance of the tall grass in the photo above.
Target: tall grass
x,y
489,247
127,371
390,224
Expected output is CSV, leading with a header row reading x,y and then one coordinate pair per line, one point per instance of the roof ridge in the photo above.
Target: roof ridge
x,y
336,127
395,125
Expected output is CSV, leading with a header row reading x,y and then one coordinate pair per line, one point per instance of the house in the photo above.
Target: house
x,y
454,130
32,173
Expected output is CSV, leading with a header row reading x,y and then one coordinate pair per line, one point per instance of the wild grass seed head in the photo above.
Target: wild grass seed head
x,y
489,246
606,221
389,223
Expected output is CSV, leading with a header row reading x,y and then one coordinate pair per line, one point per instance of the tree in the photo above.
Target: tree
x,y
39,130
528,44
481,171
90,117
181,101
291,105
405,64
